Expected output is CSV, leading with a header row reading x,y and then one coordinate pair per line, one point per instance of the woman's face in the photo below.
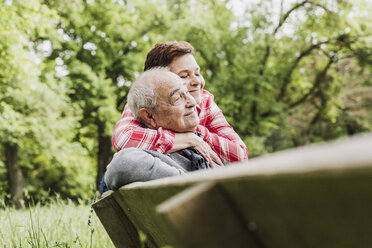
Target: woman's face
x,y
186,68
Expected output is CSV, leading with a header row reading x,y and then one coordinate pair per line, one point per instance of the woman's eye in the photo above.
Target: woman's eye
x,y
184,76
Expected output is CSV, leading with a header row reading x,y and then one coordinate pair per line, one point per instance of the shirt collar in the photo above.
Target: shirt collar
x,y
198,109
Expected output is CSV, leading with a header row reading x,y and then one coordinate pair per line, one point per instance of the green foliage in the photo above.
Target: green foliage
x,y
36,112
284,75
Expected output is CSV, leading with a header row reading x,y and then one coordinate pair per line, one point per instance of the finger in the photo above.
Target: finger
x,y
210,161
217,159
213,157
202,151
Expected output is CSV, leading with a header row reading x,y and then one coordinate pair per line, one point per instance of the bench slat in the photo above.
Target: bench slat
x,y
315,196
202,216
139,206
120,229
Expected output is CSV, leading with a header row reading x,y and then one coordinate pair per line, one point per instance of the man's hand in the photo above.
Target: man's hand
x,y
185,140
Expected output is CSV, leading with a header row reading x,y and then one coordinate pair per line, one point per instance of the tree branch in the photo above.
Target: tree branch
x,y
287,77
286,15
318,80
267,54
120,100
281,22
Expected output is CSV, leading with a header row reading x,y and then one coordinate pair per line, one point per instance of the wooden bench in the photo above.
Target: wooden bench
x,y
314,196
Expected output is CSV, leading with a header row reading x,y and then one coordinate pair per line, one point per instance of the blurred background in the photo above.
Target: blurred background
x,y
285,73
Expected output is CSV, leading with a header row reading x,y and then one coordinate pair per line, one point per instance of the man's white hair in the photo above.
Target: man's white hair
x,y
142,93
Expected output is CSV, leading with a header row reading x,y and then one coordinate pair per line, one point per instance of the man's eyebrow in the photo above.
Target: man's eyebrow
x,y
173,92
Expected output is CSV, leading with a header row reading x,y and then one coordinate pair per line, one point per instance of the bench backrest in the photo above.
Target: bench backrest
x,y
315,196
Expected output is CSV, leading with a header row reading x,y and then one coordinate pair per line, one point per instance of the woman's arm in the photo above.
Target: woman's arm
x,y
185,140
128,132
217,132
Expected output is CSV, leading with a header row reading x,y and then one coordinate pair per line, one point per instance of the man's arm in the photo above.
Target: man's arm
x,y
129,133
137,165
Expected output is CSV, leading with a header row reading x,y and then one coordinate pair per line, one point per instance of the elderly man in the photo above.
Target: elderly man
x,y
158,99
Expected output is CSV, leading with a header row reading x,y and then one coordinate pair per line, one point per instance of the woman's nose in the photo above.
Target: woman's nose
x,y
195,81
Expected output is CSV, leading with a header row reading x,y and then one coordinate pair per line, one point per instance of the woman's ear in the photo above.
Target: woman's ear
x,y
147,118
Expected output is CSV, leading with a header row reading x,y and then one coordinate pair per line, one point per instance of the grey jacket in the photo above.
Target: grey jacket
x,y
135,164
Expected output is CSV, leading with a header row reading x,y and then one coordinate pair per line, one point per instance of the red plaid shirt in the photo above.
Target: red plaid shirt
x,y
213,127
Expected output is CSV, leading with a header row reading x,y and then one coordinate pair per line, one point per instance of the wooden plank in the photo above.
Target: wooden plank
x,y
275,195
330,209
325,209
120,229
345,153
202,216
139,205
307,197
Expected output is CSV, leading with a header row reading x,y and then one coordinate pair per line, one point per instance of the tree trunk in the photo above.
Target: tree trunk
x,y
104,152
14,174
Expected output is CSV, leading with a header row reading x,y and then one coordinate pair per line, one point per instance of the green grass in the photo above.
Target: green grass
x,y
55,224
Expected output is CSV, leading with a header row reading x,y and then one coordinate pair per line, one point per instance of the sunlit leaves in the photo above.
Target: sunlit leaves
x,y
36,112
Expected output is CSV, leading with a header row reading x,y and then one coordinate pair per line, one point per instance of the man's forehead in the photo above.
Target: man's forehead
x,y
170,80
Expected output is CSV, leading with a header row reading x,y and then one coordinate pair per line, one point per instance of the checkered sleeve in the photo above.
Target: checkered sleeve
x,y
128,132
217,132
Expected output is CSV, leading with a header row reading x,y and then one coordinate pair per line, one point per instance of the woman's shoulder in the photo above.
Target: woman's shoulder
x,y
207,98
207,106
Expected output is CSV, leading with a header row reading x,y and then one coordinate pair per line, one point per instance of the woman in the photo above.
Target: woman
x,y
217,139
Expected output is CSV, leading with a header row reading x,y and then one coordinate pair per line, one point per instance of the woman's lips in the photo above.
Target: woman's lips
x,y
195,90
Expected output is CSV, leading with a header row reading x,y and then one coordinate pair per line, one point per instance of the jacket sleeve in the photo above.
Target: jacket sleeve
x,y
217,132
137,165
128,132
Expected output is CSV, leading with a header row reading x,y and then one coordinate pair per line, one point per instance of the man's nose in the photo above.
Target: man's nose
x,y
190,101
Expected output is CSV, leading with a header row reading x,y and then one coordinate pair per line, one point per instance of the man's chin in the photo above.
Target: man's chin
x,y
189,130
192,130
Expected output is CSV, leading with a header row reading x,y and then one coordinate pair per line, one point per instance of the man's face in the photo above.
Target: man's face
x,y
176,107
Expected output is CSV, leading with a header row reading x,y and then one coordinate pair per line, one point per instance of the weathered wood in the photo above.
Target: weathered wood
x,y
140,206
203,216
315,196
120,229
353,152
330,209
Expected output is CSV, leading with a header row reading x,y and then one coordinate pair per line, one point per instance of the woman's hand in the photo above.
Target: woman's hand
x,y
186,140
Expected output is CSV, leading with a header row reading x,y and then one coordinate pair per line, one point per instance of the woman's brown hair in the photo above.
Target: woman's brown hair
x,y
164,52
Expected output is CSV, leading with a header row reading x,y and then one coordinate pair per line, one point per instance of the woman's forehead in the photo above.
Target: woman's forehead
x,y
184,63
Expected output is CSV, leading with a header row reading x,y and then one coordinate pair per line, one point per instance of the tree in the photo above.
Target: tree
x,y
275,74
37,120
284,73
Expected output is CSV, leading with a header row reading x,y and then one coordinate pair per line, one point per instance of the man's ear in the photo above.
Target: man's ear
x,y
147,117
